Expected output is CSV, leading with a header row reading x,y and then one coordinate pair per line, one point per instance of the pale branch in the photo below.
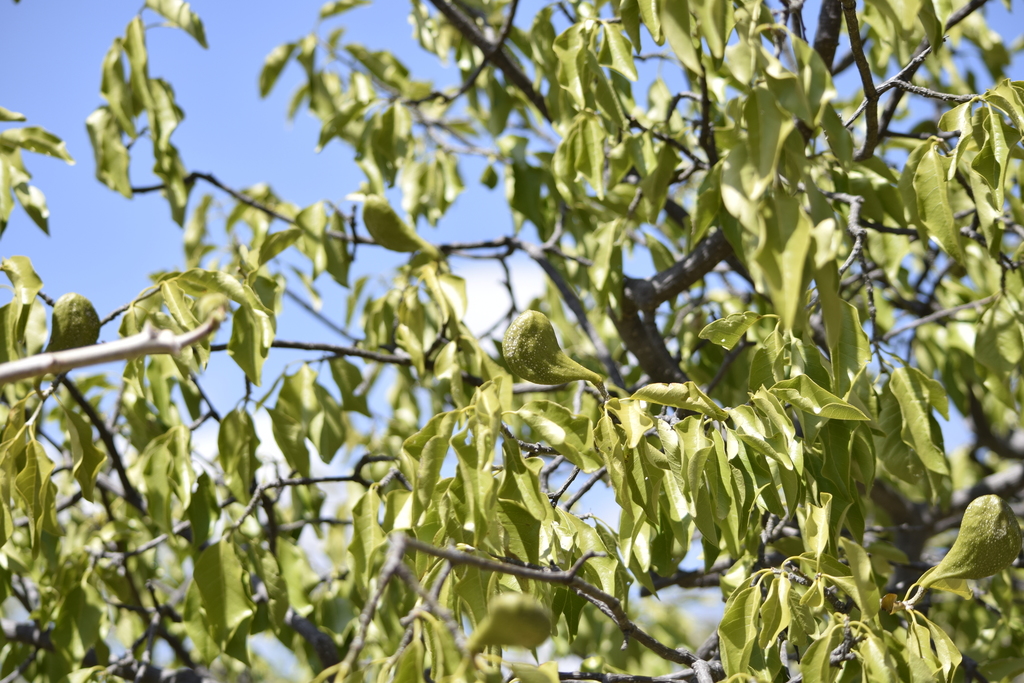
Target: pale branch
x,y
150,341
608,604
499,58
830,23
475,74
933,94
938,315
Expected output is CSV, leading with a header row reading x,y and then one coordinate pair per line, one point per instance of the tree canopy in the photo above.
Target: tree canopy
x,y
780,250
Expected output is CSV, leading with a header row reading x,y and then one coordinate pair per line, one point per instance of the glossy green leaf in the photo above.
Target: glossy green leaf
x,y
806,395
684,395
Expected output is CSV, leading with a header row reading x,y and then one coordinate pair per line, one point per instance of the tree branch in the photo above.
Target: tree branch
x,y
908,73
488,55
500,59
27,632
608,604
150,341
830,24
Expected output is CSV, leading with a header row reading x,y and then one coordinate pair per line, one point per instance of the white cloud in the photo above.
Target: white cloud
x,y
488,295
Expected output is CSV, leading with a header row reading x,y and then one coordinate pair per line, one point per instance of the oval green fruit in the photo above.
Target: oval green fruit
x,y
513,619
75,323
533,353
388,229
988,542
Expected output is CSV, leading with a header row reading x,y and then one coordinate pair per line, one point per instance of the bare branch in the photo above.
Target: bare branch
x,y
512,72
938,315
488,55
608,604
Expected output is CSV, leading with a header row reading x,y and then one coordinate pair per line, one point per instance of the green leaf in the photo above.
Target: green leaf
x,y
729,330
651,17
569,434
35,139
806,395
814,665
999,344
851,350
248,345
180,14
109,151
330,9
88,460
277,242
236,446
8,115
273,65
686,395
738,629
621,52
916,394
218,576
675,22
115,90
933,207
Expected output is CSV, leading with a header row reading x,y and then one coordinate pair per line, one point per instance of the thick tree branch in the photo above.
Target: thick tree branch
x,y
324,646
649,293
830,24
636,322
27,632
